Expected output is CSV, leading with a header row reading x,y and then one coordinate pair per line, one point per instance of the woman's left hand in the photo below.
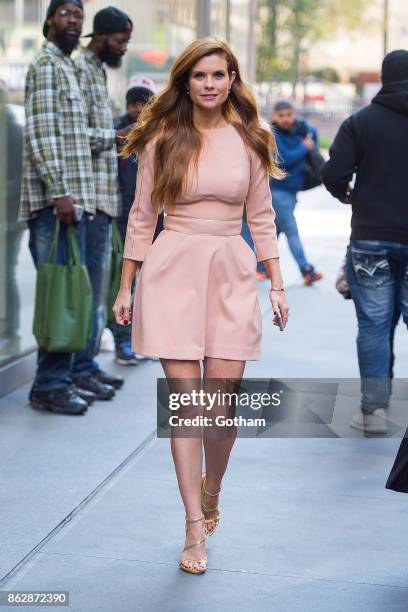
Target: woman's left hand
x,y
279,304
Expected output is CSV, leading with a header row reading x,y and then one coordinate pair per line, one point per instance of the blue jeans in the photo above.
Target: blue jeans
x,y
54,370
246,234
284,204
377,273
97,258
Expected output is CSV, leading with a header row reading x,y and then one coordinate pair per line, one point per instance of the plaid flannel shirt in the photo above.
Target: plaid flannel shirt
x,y
101,132
57,157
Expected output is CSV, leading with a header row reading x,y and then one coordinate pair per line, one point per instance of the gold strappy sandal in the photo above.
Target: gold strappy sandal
x,y
204,561
208,530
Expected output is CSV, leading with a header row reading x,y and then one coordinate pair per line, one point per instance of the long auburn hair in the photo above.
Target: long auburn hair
x,y
170,117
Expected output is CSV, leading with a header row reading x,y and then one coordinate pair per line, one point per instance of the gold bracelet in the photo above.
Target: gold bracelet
x,y
277,289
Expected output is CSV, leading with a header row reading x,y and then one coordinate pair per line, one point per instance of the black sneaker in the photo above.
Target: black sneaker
x,y
125,356
92,384
109,379
61,401
88,396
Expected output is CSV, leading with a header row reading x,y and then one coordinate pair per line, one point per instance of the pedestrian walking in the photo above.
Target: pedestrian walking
x,y
295,140
369,144
111,34
203,153
139,93
57,178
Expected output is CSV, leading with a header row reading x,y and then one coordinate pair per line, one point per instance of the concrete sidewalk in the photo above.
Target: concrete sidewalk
x,y
90,504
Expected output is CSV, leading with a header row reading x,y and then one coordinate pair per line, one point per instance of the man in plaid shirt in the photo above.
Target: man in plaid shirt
x,y
109,39
57,160
57,177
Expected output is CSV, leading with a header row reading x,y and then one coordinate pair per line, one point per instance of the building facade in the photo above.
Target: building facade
x,y
362,50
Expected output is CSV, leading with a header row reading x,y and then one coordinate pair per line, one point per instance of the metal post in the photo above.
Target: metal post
x,y
203,18
385,27
251,52
228,21
19,13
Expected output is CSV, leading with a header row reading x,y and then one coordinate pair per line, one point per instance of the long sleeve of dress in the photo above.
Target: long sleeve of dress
x,y
142,217
259,212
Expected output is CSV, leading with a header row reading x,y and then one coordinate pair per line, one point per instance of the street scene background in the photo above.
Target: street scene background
x,y
90,505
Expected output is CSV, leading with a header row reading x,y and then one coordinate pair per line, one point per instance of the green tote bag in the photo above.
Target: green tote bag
x,y
116,270
63,300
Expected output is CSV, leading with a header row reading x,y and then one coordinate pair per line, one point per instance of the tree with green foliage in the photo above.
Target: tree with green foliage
x,y
290,27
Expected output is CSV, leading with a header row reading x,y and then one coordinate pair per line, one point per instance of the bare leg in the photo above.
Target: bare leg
x,y
187,456
217,449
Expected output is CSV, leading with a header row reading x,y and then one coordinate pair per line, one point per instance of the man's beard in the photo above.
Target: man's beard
x,y
66,43
111,60
134,116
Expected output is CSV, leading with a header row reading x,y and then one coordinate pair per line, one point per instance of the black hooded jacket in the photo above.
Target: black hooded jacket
x,y
373,143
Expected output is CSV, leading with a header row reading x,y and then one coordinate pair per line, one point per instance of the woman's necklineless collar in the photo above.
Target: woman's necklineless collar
x,y
215,129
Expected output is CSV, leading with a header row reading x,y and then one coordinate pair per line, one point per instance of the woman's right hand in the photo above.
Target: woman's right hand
x,y
122,307
279,304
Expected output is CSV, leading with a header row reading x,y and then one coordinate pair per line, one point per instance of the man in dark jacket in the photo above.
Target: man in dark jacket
x,y
373,145
294,138
139,93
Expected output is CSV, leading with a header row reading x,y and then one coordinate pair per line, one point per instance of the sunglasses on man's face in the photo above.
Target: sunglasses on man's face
x,y
67,13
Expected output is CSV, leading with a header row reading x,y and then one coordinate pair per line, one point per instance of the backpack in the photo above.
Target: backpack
x,y
313,170
314,160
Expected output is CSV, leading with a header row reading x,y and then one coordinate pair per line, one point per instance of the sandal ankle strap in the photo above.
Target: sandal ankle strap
x,y
193,544
207,509
207,492
200,518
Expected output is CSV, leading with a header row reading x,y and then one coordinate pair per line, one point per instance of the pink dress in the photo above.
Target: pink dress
x,y
196,293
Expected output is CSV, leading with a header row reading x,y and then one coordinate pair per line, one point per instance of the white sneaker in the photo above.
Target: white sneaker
x,y
144,358
141,357
371,423
107,344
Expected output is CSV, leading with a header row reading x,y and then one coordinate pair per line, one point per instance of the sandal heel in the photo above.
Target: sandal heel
x,y
203,561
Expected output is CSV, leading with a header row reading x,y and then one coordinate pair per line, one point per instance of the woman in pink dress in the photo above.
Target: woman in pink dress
x,y
204,154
